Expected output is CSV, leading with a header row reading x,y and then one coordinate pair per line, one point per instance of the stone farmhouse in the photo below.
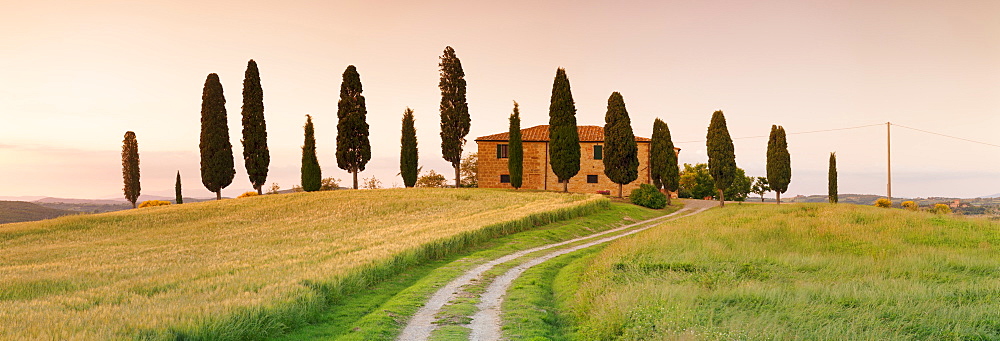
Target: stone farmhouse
x,y
538,173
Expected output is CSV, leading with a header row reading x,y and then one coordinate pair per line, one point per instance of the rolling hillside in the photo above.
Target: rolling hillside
x,y
19,211
240,268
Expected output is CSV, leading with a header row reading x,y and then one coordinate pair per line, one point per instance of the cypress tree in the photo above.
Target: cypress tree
x,y
663,159
832,185
564,145
311,173
721,156
515,150
455,119
256,156
779,168
130,167
353,147
217,170
408,153
621,155
179,199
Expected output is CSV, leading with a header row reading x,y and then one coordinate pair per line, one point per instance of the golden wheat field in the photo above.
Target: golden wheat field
x,y
119,275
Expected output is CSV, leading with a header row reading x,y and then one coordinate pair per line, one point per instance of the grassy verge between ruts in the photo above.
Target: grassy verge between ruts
x,y
382,319
803,271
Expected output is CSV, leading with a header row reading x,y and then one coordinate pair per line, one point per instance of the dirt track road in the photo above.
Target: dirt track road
x,y
486,323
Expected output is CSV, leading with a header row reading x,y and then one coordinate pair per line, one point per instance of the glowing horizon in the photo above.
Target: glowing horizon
x,y
73,80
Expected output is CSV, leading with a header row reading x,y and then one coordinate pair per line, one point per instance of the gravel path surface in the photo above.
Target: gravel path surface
x,y
487,327
486,324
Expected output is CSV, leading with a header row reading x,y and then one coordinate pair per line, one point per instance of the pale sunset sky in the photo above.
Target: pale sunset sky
x,y
76,75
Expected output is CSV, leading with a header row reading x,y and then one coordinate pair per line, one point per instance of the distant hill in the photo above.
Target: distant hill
x,y
81,201
996,195
21,198
102,205
19,211
859,199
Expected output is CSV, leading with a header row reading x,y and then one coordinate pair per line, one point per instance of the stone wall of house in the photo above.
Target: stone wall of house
x,y
538,175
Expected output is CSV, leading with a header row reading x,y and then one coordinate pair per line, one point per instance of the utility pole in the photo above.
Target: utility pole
x,y
888,161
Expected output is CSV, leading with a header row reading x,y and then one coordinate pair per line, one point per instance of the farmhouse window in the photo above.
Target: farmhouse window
x,y
501,151
598,152
505,178
591,179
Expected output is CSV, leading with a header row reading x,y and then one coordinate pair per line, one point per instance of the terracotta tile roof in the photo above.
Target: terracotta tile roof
x,y
541,134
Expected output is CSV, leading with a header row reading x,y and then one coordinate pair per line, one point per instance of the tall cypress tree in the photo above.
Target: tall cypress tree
x,y
178,197
621,155
256,156
779,168
353,148
455,120
663,159
130,167
564,145
217,170
832,185
408,150
721,156
515,150
311,174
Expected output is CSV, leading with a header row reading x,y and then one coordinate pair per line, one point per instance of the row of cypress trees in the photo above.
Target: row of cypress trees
x,y
217,172
455,122
353,145
722,158
354,149
217,168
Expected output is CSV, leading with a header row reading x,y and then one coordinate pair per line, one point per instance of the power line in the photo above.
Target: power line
x,y
797,133
858,127
948,136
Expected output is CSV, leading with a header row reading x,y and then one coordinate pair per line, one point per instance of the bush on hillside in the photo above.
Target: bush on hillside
x,y
647,196
274,188
910,205
940,209
431,179
329,184
883,203
248,194
151,203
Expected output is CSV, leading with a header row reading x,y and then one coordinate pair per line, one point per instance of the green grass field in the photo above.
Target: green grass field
x,y
802,271
241,268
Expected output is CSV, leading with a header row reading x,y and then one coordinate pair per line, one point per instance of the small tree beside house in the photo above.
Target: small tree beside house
x,y
663,160
564,148
721,156
515,160
621,160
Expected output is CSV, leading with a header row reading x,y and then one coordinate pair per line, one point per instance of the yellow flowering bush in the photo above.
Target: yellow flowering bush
x,y
151,203
248,194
